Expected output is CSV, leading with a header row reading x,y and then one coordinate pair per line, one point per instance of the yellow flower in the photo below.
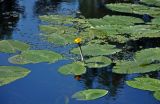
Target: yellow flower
x,y
78,40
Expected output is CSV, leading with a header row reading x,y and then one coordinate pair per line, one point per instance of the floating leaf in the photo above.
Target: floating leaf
x,y
96,50
130,67
35,56
156,21
90,94
151,2
98,62
146,84
60,35
115,20
56,19
76,68
134,8
65,20
157,95
148,55
11,46
58,29
9,74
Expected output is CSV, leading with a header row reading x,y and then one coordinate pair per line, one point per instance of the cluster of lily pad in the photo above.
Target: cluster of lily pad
x,y
120,29
11,73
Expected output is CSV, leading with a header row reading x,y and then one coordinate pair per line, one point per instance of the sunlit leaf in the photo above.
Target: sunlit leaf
x,y
115,20
90,94
151,2
157,94
148,55
149,84
134,8
35,56
145,84
130,67
156,21
98,62
76,68
11,46
56,19
9,74
96,50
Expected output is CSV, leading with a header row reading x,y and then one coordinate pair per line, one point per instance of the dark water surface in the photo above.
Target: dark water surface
x,y
44,85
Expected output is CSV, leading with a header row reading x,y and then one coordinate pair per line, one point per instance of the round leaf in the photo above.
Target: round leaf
x,y
98,62
157,95
11,46
96,50
9,74
90,94
76,68
35,56
130,67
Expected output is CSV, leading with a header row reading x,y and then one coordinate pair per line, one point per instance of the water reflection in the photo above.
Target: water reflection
x,y
68,7
104,79
9,16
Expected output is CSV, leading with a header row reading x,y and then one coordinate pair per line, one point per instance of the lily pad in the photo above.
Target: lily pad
x,y
130,67
148,55
96,50
98,62
11,46
76,68
90,94
157,95
35,56
134,8
151,2
56,19
9,74
149,84
115,20
156,21
145,84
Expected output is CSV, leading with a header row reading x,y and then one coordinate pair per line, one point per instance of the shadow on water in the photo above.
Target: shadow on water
x,y
9,16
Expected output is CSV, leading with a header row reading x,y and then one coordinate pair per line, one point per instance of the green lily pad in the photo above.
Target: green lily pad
x,y
134,8
35,56
96,50
11,46
157,95
76,68
149,84
98,62
115,20
90,94
130,67
151,2
56,19
148,55
145,84
9,74
59,35
156,21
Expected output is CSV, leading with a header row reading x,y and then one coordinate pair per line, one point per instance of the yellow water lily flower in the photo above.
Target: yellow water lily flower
x,y
78,40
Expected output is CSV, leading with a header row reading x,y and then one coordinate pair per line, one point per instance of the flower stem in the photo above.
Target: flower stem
x,y
81,53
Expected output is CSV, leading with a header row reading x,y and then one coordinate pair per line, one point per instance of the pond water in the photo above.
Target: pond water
x,y
44,85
